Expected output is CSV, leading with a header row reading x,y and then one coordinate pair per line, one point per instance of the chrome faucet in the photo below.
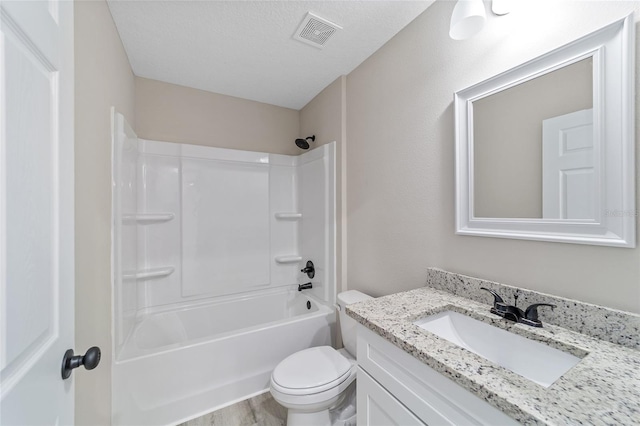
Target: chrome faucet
x,y
511,312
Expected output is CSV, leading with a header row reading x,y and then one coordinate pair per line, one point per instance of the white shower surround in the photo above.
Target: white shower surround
x,y
208,244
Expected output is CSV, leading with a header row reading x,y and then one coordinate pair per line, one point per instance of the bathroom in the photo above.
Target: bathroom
x,y
392,118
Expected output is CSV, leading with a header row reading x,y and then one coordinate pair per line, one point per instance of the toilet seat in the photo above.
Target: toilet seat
x,y
311,371
313,401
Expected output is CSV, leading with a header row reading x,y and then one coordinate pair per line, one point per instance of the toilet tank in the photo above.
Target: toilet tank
x,y
348,324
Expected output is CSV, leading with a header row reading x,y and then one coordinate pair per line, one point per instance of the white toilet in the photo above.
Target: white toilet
x,y
311,382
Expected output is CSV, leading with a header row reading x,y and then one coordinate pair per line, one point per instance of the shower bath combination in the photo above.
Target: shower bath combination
x,y
188,313
304,143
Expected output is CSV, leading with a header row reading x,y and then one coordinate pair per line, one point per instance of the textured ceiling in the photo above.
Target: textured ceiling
x,y
245,48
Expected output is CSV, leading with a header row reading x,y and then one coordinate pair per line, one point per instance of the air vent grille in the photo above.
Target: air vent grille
x,y
315,30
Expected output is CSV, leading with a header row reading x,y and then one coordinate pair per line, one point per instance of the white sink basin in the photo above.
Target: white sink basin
x,y
533,360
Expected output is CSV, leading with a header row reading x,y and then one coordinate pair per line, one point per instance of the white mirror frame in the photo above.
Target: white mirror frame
x,y
612,50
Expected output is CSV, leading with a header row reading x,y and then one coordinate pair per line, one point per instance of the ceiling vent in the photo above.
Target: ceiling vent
x,y
315,30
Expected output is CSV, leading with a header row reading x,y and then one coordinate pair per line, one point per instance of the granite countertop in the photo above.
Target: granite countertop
x,y
603,388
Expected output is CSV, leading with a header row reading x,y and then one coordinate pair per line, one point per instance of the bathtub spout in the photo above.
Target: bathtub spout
x,y
304,286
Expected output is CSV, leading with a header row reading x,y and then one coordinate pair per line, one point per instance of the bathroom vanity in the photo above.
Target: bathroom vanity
x,y
408,375
394,388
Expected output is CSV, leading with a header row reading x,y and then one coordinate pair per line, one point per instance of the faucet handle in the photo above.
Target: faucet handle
x,y
496,296
531,313
310,270
499,306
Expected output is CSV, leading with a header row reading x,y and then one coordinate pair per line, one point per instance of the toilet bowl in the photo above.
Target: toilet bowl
x,y
312,382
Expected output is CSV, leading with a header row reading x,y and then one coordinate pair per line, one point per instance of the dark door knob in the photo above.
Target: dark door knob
x,y
90,360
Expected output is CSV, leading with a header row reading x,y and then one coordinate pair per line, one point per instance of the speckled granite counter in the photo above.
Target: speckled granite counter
x,y
602,389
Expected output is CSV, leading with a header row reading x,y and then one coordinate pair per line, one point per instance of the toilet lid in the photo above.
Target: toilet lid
x,y
311,368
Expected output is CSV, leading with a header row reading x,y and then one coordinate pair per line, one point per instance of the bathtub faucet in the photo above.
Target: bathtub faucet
x,y
304,286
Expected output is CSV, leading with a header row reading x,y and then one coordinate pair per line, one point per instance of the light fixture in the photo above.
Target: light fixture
x,y
500,7
467,19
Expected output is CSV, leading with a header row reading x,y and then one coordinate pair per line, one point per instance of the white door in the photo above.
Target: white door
x,y
36,210
569,173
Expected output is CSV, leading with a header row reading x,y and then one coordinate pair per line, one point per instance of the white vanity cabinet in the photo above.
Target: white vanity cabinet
x,y
382,408
394,388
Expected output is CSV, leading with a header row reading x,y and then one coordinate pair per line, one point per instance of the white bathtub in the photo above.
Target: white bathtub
x,y
183,363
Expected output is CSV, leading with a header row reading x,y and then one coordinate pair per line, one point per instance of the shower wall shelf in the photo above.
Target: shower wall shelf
x,y
145,274
289,216
145,218
288,259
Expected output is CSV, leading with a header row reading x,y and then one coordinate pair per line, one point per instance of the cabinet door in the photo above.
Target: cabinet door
x,y
377,407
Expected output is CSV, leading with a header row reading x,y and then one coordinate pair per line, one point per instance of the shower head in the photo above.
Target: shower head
x,y
304,143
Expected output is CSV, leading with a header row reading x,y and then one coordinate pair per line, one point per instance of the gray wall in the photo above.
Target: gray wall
x,y
103,79
172,113
400,159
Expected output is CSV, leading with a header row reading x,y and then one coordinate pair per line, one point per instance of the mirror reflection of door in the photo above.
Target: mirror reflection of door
x,y
568,166
508,163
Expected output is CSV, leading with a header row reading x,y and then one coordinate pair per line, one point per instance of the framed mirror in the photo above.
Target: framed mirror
x,y
545,151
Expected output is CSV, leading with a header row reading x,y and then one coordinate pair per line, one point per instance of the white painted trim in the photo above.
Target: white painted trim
x,y
612,50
